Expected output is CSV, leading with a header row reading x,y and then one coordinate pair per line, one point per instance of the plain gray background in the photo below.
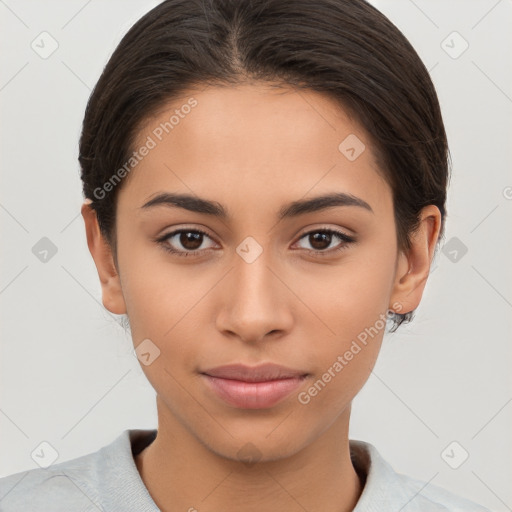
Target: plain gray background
x,y
68,373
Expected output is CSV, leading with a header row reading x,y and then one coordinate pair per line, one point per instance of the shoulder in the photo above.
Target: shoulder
x,y
432,497
385,489
65,486
106,479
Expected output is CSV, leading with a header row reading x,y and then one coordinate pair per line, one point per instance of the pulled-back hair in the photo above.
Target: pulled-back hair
x,y
346,49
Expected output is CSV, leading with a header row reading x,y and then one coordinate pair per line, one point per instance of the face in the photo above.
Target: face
x,y
308,290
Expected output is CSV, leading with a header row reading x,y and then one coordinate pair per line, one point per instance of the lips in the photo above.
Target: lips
x,y
262,373
257,387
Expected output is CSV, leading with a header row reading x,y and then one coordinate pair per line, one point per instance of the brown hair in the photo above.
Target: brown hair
x,y
346,49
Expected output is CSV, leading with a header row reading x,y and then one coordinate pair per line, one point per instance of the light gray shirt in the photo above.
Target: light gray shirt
x,y
108,480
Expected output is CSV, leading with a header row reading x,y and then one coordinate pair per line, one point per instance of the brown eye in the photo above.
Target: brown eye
x,y
190,240
185,242
320,241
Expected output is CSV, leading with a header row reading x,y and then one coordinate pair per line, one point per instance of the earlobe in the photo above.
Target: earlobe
x,y
413,268
101,253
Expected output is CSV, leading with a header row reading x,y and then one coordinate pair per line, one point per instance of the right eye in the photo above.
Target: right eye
x,y
190,240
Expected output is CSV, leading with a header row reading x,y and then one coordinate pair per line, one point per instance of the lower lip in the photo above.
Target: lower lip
x,y
253,395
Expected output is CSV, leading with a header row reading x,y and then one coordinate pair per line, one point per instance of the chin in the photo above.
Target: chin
x,y
259,444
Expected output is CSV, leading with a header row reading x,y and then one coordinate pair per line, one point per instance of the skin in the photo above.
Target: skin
x,y
254,149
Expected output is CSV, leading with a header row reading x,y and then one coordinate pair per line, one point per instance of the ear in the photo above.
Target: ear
x,y
413,267
101,253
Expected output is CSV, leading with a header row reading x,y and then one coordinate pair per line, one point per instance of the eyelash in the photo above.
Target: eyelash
x,y
347,240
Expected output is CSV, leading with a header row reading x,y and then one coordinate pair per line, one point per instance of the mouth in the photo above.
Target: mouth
x,y
258,387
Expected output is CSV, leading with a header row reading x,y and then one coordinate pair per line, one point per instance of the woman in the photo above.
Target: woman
x,y
265,187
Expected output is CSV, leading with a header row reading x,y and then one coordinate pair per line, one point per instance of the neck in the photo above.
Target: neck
x,y
182,474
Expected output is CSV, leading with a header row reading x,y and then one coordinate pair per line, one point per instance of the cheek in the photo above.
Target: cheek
x,y
341,364
351,297
158,293
166,304
351,303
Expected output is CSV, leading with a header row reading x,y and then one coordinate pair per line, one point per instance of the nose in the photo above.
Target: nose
x,y
255,303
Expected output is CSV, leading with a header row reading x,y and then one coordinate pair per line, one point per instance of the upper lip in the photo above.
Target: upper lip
x,y
261,373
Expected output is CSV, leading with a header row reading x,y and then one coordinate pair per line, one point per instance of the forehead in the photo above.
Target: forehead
x,y
251,143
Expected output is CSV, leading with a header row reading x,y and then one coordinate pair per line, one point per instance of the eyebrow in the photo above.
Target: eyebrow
x,y
293,209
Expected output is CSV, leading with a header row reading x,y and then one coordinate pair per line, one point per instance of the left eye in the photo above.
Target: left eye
x,y
321,240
